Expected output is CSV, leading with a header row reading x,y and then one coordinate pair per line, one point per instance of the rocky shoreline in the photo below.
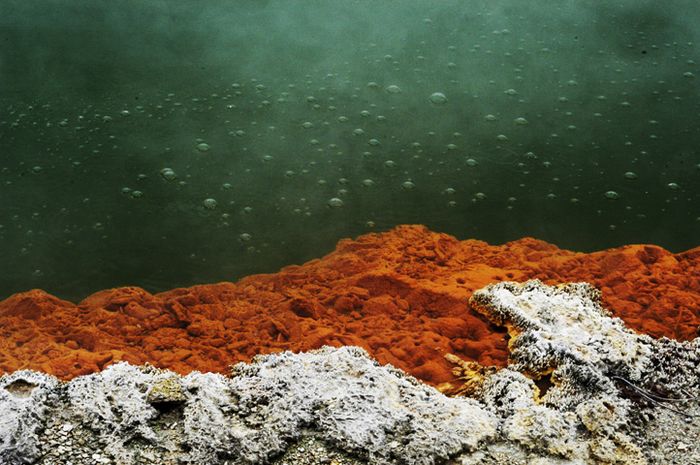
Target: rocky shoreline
x,y
580,388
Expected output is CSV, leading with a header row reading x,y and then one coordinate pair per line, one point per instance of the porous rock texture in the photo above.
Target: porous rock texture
x,y
401,295
598,372
360,412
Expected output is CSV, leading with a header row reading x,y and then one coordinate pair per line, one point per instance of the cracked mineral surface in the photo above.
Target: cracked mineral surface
x,y
611,396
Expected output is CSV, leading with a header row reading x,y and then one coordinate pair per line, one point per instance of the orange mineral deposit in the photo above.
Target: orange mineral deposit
x,y
402,295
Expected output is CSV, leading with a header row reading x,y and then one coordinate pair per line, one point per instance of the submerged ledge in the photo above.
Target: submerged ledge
x,y
611,396
401,295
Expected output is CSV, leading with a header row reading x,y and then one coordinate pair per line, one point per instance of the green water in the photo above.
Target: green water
x,y
167,143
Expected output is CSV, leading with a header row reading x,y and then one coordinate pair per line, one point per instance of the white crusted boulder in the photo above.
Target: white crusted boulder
x,y
25,397
598,371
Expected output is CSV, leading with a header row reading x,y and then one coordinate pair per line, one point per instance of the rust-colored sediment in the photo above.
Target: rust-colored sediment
x,y
402,295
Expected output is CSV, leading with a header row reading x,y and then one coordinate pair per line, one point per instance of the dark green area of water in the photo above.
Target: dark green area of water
x,y
167,143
